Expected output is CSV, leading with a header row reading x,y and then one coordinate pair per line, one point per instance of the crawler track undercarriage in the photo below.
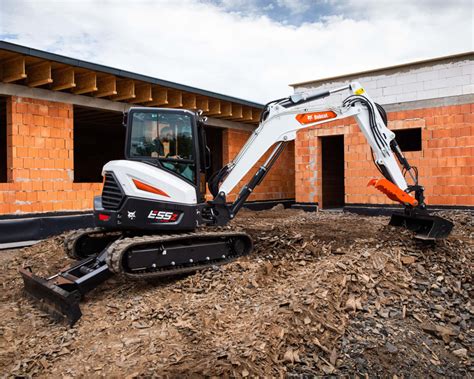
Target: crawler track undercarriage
x,y
105,253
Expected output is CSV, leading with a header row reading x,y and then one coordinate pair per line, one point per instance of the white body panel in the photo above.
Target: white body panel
x,y
281,125
178,189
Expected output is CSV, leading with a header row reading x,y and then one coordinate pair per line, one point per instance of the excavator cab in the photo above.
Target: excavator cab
x,y
159,186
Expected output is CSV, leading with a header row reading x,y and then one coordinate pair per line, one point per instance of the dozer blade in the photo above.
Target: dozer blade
x,y
426,227
60,304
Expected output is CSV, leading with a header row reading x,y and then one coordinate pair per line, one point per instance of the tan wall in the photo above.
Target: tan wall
x,y
446,162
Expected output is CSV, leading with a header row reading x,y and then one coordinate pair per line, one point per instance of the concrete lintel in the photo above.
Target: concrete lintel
x,y
229,124
91,102
430,103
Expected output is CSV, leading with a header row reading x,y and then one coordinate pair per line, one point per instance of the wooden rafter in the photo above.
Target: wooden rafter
x,y
246,114
106,86
39,74
189,101
143,93
214,108
125,90
85,83
236,112
175,99
256,115
63,79
13,69
160,97
226,109
203,104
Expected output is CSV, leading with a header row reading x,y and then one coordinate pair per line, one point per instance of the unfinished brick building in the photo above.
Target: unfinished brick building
x,y
60,121
430,107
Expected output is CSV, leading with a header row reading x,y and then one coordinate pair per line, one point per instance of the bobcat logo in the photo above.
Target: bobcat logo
x,y
132,215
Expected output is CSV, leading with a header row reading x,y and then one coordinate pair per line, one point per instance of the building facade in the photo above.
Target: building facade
x,y
430,107
61,121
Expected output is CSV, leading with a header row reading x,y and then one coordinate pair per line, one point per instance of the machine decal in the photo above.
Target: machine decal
x,y
131,215
309,118
163,216
146,187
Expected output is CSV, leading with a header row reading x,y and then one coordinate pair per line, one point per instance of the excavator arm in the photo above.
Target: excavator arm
x,y
281,119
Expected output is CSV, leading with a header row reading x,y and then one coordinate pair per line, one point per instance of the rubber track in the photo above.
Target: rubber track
x,y
70,239
120,247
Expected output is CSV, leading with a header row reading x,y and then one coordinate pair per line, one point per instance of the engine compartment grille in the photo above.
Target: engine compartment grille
x,y
112,194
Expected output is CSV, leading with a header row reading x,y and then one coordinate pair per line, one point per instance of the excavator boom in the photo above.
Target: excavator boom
x,y
280,122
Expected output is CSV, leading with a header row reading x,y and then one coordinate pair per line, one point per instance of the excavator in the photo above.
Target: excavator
x,y
152,218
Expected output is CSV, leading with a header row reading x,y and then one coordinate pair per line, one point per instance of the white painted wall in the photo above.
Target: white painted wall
x,y
420,82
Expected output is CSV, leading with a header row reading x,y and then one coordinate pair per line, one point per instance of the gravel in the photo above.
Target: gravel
x,y
322,294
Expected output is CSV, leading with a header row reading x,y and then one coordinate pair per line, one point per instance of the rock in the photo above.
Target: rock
x,y
407,260
391,348
461,353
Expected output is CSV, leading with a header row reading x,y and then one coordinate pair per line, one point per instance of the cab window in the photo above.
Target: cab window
x,y
166,137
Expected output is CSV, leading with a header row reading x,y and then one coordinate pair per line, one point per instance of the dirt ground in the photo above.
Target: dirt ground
x,y
322,293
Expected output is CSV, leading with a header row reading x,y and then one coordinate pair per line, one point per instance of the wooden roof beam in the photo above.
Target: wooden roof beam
x,y
39,74
214,108
106,86
85,83
160,97
203,104
256,115
125,90
246,114
237,112
143,93
175,99
63,79
226,110
189,101
13,69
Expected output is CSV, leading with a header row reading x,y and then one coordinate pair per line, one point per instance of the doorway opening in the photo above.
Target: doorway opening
x,y
214,142
332,162
99,137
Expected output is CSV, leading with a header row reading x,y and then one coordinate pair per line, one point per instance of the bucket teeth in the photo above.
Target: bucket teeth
x,y
60,304
393,192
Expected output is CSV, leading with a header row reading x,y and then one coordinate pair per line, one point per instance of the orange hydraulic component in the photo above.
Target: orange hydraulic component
x,y
393,192
146,187
309,118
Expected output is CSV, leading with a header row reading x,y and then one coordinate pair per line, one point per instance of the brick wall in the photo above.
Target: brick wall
x,y
278,184
446,162
40,160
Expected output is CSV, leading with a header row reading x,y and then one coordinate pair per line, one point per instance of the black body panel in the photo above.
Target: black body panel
x,y
145,214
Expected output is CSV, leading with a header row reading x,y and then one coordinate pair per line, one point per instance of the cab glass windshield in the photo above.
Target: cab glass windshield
x,y
166,137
